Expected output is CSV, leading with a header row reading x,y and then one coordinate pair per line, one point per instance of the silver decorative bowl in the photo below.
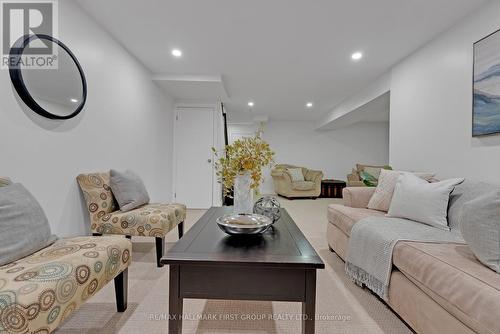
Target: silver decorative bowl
x,y
244,224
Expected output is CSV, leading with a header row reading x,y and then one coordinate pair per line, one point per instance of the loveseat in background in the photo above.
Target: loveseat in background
x,y
284,186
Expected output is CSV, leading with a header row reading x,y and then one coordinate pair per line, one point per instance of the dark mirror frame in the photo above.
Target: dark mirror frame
x,y
16,76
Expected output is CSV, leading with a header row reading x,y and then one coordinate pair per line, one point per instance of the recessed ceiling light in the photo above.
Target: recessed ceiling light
x,y
176,53
74,100
357,55
250,104
309,104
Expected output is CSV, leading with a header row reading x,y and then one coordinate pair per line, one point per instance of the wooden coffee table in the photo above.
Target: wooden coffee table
x,y
208,264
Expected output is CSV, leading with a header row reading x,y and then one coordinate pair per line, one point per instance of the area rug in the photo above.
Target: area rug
x,y
342,307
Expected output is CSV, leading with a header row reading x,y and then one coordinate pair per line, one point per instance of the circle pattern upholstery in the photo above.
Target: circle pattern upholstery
x,y
154,220
38,292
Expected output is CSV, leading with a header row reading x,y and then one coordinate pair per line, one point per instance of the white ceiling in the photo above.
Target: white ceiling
x,y
278,53
193,87
377,110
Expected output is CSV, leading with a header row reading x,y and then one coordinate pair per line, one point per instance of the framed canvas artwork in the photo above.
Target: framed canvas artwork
x,y
486,108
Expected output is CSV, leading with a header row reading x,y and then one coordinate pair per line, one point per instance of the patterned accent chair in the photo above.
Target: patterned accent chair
x,y
40,291
152,220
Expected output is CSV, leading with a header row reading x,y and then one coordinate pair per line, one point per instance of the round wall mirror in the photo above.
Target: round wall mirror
x,y
57,92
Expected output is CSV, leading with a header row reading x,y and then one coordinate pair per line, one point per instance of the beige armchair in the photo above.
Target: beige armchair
x,y
283,185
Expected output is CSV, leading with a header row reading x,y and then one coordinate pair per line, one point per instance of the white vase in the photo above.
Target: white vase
x,y
243,194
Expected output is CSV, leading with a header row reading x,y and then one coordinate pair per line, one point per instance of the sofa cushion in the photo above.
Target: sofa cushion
x,y
420,311
353,184
296,174
38,292
313,175
480,228
452,276
303,185
128,189
344,217
154,220
24,228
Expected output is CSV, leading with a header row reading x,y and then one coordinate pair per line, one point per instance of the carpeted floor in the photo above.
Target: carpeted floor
x,y
342,307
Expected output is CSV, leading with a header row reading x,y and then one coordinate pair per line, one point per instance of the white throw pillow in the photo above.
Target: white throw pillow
x,y
381,198
481,229
418,200
296,174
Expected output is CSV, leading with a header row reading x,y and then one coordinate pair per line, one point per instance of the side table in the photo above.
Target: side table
x,y
332,188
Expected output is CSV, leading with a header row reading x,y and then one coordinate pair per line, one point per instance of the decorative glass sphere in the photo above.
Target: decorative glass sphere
x,y
268,206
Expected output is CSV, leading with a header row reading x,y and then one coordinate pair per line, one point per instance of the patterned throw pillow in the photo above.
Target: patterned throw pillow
x,y
368,179
382,197
296,174
374,171
4,181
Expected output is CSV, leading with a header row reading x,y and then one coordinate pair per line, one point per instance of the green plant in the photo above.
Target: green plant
x,y
244,155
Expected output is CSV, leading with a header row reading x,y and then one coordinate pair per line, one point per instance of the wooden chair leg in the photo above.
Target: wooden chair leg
x,y
160,246
121,289
96,234
180,229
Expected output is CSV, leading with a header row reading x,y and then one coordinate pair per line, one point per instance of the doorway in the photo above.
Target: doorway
x,y
193,166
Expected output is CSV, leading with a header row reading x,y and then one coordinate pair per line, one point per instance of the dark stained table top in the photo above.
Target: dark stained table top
x,y
333,181
282,246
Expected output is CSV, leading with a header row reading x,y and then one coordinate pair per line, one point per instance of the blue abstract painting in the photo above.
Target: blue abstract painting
x,y
486,114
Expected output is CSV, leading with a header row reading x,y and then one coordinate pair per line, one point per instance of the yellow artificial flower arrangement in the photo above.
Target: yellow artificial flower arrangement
x,y
244,155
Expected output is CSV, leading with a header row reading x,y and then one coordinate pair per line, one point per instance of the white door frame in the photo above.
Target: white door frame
x,y
179,108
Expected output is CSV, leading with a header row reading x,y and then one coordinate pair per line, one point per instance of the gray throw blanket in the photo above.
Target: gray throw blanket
x,y
372,241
